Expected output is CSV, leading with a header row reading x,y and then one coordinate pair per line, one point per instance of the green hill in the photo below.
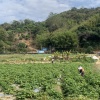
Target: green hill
x,y
76,29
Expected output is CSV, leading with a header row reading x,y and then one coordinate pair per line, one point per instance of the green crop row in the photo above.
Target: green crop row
x,y
58,81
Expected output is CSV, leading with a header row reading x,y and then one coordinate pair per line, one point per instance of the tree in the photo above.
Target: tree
x,y
22,47
54,23
1,46
51,14
3,34
6,26
65,40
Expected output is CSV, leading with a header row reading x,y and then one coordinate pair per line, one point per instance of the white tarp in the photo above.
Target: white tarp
x,y
95,58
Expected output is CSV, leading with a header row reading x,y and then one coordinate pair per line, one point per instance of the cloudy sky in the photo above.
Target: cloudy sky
x,y
38,10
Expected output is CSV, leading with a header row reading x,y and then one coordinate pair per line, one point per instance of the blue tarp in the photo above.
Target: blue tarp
x,y
40,51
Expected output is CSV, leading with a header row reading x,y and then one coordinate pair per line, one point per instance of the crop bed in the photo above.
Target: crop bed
x,y
58,81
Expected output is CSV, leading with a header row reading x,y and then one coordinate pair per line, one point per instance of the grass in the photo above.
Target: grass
x,y
18,58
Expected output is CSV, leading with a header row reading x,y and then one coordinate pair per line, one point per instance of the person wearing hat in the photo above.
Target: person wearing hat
x,y
81,70
52,60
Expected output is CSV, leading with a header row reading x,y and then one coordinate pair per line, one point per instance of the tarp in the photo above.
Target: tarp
x,y
40,51
95,58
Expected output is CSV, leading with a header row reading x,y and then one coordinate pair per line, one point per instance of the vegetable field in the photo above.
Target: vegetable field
x,y
47,81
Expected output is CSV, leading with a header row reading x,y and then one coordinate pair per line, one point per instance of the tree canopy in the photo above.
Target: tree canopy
x,y
69,30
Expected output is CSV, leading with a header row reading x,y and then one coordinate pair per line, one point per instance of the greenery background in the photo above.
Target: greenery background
x,y
76,30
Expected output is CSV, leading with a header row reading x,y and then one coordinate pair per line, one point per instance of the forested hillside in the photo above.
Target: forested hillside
x,y
76,30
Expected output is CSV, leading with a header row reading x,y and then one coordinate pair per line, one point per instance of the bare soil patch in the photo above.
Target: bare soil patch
x,y
6,97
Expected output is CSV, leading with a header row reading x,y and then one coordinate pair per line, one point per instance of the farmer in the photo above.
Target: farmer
x,y
81,70
52,61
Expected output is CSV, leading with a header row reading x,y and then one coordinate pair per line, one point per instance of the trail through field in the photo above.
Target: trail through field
x,y
57,87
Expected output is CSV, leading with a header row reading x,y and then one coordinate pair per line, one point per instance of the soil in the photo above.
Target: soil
x,y
6,97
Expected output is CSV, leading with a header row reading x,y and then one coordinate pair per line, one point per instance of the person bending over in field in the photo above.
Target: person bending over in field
x,y
81,70
52,61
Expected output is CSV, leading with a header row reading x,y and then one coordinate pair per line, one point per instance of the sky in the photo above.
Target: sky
x,y
39,10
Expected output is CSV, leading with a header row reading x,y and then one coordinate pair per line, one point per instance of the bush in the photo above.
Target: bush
x,y
89,50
